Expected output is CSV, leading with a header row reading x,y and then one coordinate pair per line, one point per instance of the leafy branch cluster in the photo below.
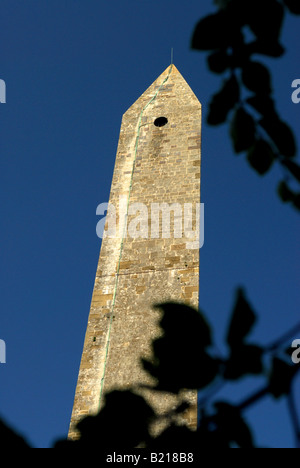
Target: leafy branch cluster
x,y
236,33
184,359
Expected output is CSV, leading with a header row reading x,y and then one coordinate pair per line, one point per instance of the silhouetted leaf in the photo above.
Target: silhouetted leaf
x,y
218,61
296,201
9,440
281,377
222,3
266,47
266,20
293,6
176,437
261,156
284,192
293,167
182,408
186,335
223,102
242,130
262,104
232,426
242,321
175,368
122,423
256,77
244,360
281,134
180,319
213,31
239,56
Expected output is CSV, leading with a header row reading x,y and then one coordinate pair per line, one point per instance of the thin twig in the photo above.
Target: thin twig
x,y
284,338
294,417
211,393
253,398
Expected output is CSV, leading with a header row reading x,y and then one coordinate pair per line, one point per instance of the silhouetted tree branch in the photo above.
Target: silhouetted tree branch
x,y
294,417
190,363
234,36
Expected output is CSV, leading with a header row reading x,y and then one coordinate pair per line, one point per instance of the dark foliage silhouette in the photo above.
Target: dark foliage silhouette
x,y
185,356
122,423
9,439
235,36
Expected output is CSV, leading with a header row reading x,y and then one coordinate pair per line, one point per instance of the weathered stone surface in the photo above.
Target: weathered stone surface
x,y
133,275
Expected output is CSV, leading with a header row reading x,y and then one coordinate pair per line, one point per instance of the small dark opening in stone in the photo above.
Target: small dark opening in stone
x,y
160,121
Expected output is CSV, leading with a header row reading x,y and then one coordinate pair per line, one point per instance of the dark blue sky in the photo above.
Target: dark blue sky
x,y
72,68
